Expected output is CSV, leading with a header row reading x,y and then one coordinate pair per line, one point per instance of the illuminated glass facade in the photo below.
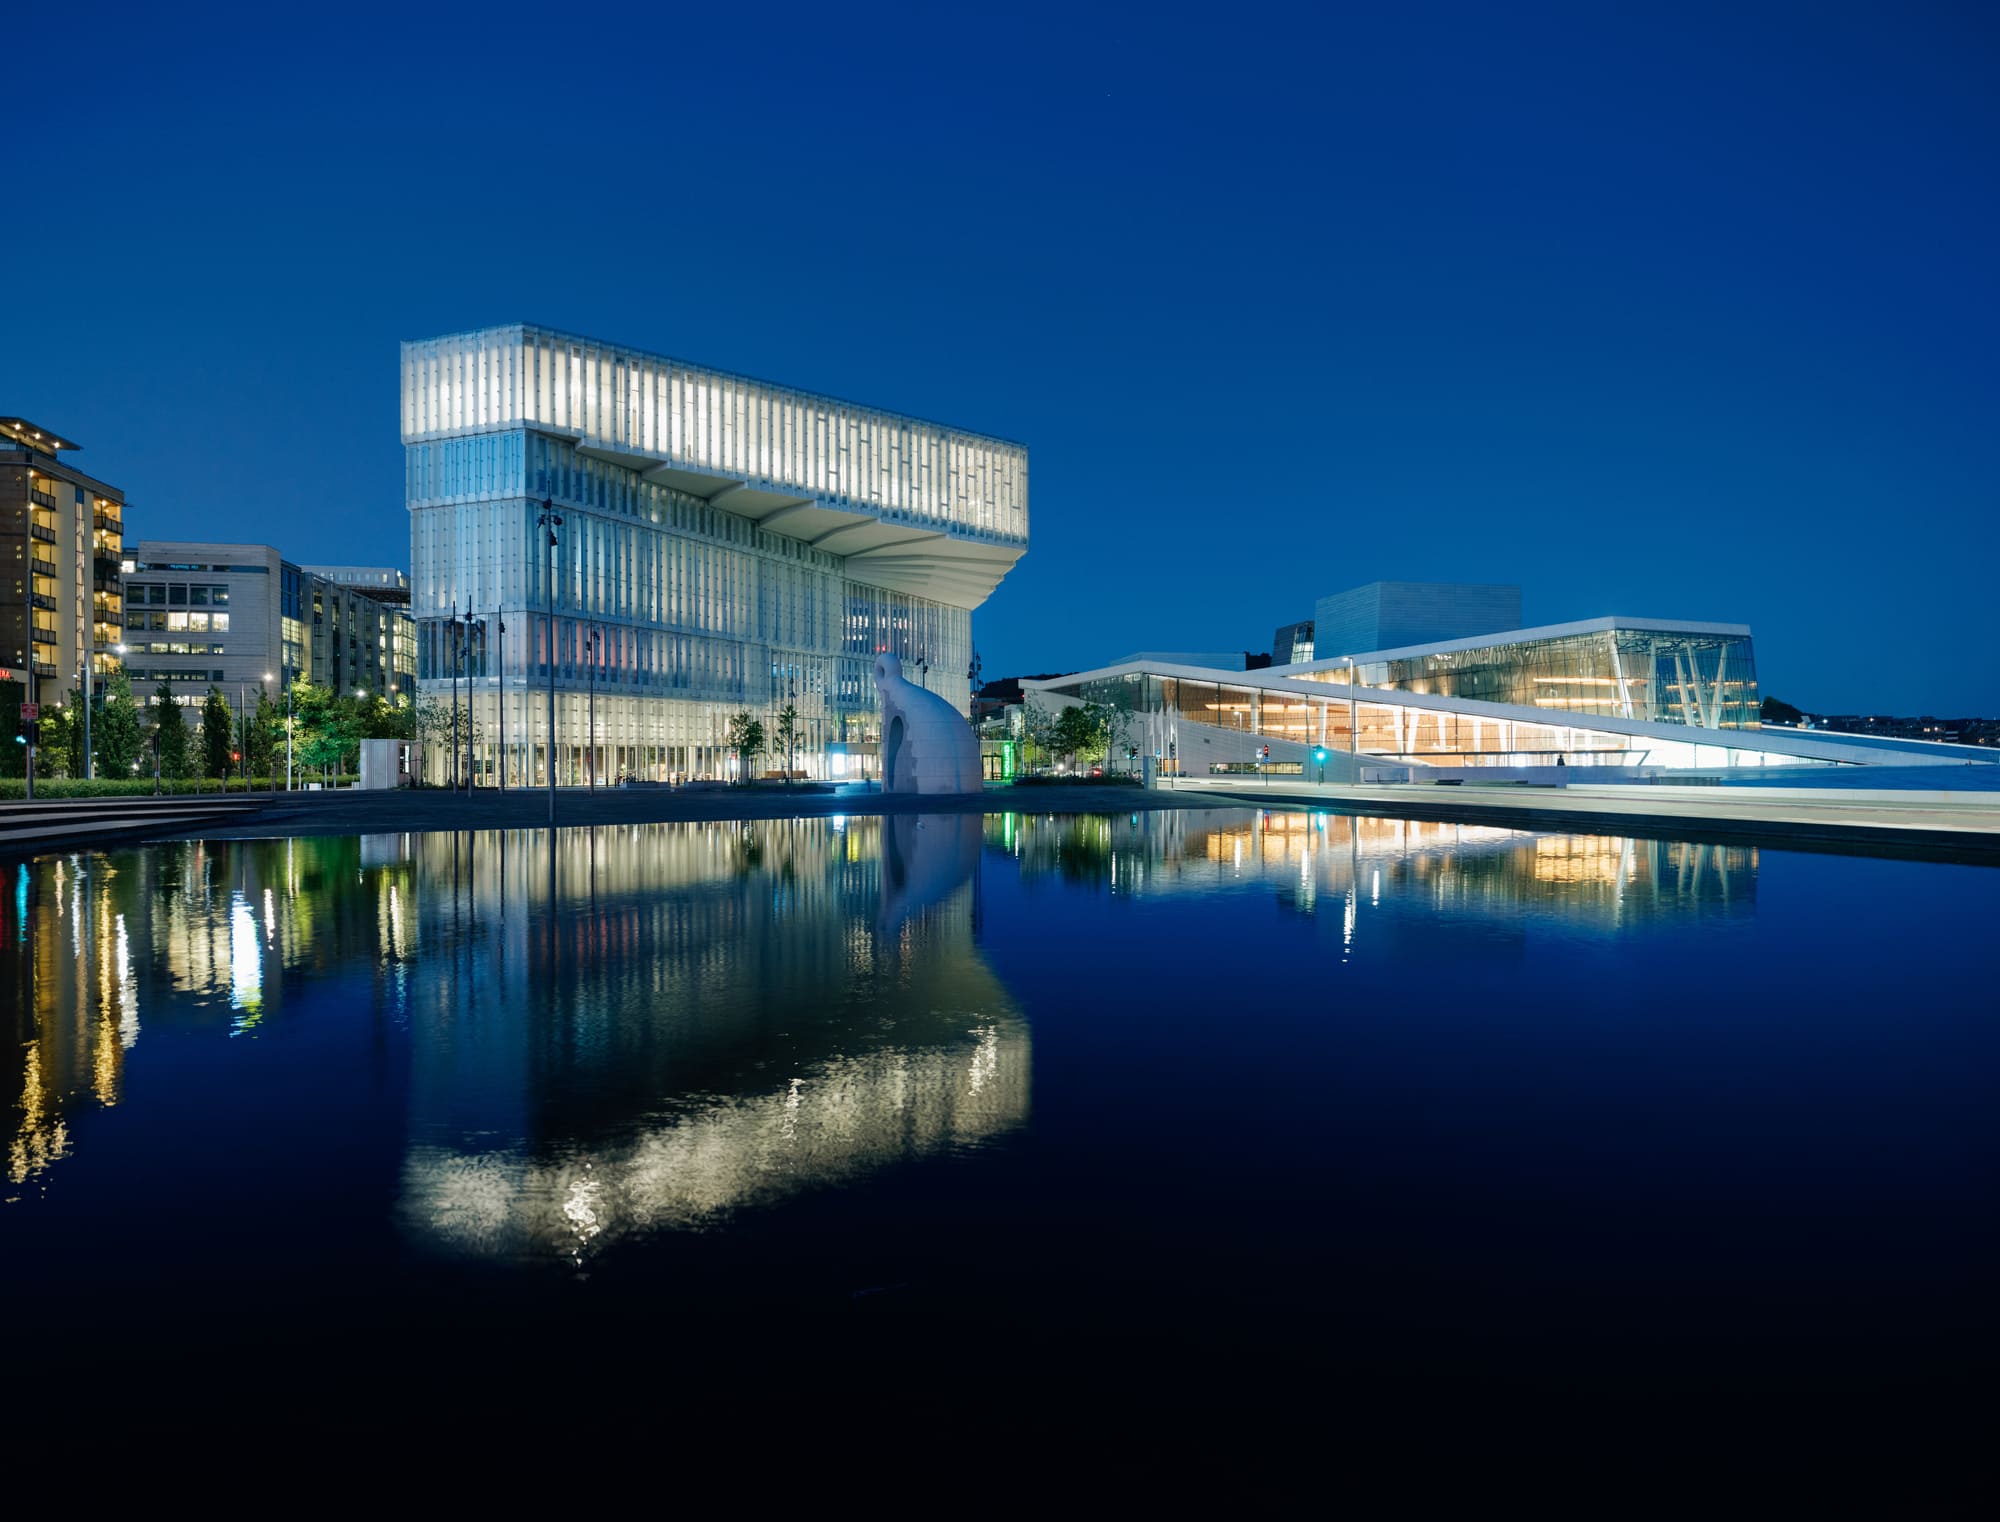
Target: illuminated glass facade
x,y
726,545
1703,675
1382,729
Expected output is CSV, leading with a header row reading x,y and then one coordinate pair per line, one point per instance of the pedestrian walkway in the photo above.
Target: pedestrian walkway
x,y
1782,815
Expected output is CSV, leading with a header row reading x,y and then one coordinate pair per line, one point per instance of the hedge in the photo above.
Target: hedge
x,y
140,787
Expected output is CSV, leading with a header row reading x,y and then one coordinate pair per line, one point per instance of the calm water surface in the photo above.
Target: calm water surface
x,y
1213,1106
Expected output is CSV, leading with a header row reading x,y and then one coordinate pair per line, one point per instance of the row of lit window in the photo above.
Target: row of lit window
x,y
177,622
721,421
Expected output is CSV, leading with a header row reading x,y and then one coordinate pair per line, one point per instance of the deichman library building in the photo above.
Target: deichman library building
x,y
725,545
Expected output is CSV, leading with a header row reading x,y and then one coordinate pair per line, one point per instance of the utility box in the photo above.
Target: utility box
x,y
385,763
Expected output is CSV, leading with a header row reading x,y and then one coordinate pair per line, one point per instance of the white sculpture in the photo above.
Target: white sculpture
x,y
926,858
927,746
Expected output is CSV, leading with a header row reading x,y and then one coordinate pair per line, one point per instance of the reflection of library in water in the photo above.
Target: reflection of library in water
x,y
644,1029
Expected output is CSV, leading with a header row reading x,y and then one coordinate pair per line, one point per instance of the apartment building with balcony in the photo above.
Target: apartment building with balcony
x,y
61,543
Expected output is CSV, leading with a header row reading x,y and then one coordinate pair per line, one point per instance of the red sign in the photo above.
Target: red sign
x,y
30,712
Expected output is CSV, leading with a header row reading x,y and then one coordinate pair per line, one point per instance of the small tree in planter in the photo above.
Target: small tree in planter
x,y
746,738
788,737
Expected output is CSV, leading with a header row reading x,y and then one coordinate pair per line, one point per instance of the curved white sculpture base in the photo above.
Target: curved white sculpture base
x,y
927,746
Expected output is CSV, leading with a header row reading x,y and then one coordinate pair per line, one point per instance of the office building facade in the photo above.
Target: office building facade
x,y
726,545
383,583
239,616
61,541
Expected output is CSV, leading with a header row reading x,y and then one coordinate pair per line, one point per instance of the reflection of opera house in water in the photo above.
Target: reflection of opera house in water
x,y
1325,862
712,1017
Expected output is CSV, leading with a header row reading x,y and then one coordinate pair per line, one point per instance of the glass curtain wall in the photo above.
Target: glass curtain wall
x,y
1395,732
1708,681
495,380
677,614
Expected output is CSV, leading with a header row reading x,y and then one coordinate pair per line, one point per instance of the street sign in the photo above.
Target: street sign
x,y
30,712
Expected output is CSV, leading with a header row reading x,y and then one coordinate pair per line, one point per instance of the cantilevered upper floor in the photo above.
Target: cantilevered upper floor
x,y
917,505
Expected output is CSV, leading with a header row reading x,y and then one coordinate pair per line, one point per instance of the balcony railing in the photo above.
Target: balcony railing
x,y
46,498
42,567
40,601
108,522
46,535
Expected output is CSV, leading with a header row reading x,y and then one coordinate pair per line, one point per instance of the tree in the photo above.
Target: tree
x,y
326,745
60,737
116,733
263,729
1082,732
170,734
13,758
1777,712
462,731
1074,731
1045,734
788,737
326,730
217,726
746,738
430,718
380,719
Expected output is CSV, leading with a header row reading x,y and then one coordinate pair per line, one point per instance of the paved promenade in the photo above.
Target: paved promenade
x,y
1958,825
1941,825
25,829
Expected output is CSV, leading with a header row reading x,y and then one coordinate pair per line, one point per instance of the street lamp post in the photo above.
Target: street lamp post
x,y
1353,776
500,694
471,624
89,660
260,708
590,640
457,660
551,520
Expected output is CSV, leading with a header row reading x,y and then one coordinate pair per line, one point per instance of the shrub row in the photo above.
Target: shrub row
x,y
137,787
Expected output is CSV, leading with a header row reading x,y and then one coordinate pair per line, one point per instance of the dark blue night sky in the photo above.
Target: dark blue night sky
x,y
1671,310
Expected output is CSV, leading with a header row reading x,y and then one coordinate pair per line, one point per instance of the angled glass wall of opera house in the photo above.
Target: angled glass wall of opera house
x,y
1645,696
1704,675
726,545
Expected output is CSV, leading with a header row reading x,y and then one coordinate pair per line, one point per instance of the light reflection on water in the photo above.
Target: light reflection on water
x,y
1372,1097
712,1016
674,1040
